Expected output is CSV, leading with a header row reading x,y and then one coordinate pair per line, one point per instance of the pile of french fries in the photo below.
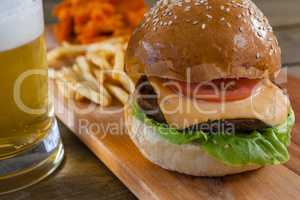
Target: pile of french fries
x,y
96,73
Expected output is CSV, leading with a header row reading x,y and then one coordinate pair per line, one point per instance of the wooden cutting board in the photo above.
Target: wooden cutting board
x,y
105,135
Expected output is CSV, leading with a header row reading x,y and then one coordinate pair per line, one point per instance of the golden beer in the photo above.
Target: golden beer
x,y
20,129
30,144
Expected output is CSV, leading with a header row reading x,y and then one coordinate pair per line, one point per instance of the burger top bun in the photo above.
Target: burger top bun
x,y
202,40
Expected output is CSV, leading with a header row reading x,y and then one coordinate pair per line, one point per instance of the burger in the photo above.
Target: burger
x,y
207,102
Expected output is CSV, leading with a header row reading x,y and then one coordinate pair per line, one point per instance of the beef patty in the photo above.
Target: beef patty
x,y
147,100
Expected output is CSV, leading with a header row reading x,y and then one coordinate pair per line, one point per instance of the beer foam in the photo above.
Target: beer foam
x,y
21,21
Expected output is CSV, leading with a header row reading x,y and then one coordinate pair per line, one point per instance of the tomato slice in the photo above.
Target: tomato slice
x,y
216,90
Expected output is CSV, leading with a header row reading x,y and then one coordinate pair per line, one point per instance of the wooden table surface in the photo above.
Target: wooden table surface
x,y
82,176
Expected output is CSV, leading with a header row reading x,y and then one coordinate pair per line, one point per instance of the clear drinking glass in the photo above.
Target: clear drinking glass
x,y
30,144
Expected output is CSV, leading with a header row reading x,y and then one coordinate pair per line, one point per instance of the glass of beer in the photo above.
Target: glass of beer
x,y
30,144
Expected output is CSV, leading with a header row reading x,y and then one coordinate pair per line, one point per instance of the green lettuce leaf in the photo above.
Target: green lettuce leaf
x,y
264,147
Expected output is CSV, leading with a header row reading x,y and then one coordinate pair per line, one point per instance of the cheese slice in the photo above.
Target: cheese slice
x,y
268,104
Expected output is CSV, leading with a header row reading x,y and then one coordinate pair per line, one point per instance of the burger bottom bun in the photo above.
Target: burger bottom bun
x,y
188,158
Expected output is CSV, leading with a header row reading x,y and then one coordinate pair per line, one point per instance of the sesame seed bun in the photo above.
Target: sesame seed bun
x,y
205,39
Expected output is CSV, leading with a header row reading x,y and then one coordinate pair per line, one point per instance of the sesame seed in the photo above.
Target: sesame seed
x,y
203,26
222,7
272,47
251,12
259,34
188,8
226,146
222,19
228,24
209,16
228,9
170,23
257,56
241,29
259,19
195,22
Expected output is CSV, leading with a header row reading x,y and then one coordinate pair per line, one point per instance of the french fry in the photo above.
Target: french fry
x,y
89,76
84,67
75,48
68,74
64,80
51,73
119,93
65,50
123,78
100,75
77,70
78,97
102,47
99,61
83,63
72,87
85,90
55,54
107,45
65,88
101,89
119,59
